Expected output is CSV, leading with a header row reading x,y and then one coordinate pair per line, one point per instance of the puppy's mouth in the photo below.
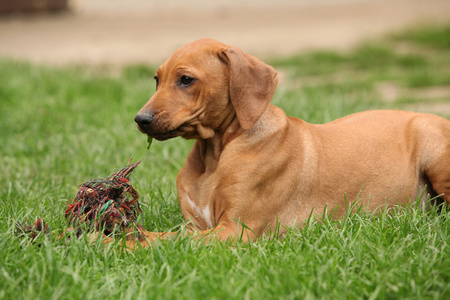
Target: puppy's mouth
x,y
161,129
162,136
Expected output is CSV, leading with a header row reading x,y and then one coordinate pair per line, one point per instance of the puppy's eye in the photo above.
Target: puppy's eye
x,y
157,81
185,80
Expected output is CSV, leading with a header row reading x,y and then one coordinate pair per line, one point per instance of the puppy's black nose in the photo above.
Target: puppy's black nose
x,y
143,120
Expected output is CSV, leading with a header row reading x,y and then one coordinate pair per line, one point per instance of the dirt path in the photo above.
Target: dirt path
x,y
107,32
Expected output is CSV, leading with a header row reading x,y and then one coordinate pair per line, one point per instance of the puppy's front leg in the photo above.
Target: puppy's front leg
x,y
221,232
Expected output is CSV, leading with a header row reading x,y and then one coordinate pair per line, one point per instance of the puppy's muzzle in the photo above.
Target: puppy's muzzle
x,y
156,127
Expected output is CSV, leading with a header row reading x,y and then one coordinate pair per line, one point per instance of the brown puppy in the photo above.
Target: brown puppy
x,y
252,164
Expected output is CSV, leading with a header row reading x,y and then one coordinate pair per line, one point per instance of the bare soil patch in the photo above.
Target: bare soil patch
x,y
109,33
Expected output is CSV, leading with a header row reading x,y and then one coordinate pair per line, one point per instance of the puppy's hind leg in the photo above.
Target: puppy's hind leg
x,y
435,154
439,177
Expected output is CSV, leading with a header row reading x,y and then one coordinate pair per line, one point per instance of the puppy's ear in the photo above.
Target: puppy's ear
x,y
252,85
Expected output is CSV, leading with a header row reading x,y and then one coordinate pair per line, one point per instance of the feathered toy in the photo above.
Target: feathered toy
x,y
109,206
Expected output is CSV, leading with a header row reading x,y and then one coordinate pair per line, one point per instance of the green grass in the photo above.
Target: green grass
x,y
429,36
62,126
415,58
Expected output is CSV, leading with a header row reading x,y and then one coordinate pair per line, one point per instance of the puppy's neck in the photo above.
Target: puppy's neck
x,y
273,119
212,148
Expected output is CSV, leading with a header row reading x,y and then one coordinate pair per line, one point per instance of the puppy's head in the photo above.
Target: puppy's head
x,y
201,86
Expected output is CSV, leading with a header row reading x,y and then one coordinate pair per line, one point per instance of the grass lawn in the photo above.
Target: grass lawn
x,y
63,126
